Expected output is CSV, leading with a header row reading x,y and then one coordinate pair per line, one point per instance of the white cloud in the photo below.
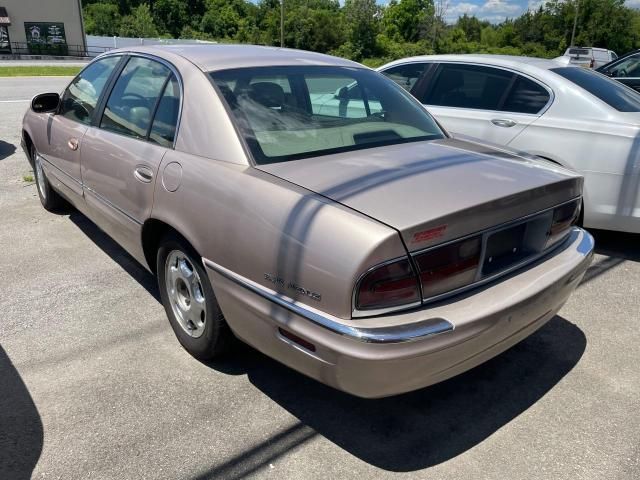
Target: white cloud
x,y
494,11
455,11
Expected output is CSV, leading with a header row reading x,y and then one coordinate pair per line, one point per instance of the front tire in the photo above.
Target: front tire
x,y
189,301
49,198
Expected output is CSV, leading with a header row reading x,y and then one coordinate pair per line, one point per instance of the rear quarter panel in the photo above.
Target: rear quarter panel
x,y
255,224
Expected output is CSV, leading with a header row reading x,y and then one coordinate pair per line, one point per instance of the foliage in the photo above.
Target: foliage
x,y
365,31
139,23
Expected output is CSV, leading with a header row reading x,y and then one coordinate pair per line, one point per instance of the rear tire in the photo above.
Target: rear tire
x,y
49,198
189,301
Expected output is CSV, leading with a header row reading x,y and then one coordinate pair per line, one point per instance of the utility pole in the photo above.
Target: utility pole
x,y
575,22
282,24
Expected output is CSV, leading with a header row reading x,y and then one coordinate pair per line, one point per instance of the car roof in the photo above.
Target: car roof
x,y
510,61
213,57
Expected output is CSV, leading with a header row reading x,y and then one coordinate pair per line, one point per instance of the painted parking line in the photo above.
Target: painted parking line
x,y
14,101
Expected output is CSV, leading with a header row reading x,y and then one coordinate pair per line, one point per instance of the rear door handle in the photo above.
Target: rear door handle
x,y
503,122
73,144
143,174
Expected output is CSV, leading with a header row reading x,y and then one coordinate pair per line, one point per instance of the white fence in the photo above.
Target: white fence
x,y
97,45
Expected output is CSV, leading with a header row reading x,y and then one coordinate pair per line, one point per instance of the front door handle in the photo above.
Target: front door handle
x,y
143,174
502,122
73,144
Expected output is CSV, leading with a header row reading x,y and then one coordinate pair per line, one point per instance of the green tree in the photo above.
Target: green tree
x,y
139,23
362,19
171,16
407,20
102,19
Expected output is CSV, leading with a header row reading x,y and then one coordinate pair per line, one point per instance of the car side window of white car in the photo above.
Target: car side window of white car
x,y
525,96
406,75
81,96
134,97
468,86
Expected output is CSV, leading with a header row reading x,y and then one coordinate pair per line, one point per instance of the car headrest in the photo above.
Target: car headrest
x,y
269,94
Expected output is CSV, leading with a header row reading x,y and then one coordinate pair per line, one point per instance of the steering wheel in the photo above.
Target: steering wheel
x,y
622,72
135,95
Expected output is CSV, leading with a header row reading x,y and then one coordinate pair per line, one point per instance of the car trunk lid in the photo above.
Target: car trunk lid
x,y
432,192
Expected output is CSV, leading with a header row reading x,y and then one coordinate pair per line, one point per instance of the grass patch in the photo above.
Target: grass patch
x,y
38,71
27,178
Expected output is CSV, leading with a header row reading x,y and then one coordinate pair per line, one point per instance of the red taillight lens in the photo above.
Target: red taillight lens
x,y
449,267
563,218
387,286
591,63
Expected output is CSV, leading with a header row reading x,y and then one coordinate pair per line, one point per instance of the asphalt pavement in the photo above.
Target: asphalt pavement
x,y
94,385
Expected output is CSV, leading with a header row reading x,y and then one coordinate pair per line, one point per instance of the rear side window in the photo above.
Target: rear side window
x,y
468,86
406,75
526,96
81,97
609,91
163,129
134,97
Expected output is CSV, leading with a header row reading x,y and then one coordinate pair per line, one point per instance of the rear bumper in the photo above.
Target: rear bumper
x,y
402,352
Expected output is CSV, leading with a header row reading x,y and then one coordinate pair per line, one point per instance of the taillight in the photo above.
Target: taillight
x,y
449,267
591,63
387,286
564,217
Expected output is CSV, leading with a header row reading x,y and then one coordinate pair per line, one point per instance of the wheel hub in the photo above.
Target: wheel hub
x,y
186,294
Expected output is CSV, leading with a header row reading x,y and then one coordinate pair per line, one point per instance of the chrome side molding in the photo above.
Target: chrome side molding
x,y
393,334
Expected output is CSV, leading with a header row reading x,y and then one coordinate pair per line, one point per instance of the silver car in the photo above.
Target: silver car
x,y
312,208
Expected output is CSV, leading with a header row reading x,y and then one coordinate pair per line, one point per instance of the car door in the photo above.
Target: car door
x,y
124,147
626,71
490,103
66,128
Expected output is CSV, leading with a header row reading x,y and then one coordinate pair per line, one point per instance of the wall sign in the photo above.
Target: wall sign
x,y
46,37
5,46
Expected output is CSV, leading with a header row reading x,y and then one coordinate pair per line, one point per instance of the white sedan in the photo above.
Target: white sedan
x,y
572,116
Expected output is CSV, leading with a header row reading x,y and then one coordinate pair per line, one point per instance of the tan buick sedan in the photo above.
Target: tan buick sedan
x,y
312,208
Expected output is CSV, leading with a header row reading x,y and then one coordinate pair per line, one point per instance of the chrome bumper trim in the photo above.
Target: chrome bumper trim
x,y
393,334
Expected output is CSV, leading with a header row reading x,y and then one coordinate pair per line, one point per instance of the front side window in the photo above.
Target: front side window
x,y
406,75
468,86
611,92
134,96
526,96
81,96
629,67
328,110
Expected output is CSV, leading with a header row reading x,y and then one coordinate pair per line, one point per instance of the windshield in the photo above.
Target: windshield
x,y
288,113
613,93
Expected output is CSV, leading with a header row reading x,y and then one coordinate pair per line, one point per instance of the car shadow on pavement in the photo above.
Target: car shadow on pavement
x,y
21,432
425,428
617,244
6,149
116,252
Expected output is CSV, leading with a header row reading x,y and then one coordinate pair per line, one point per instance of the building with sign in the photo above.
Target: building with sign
x,y
41,27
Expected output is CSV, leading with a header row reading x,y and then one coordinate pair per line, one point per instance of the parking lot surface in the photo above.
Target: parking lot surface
x,y
93,383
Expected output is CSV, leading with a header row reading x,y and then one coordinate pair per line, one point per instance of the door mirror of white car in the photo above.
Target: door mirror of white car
x,y
45,103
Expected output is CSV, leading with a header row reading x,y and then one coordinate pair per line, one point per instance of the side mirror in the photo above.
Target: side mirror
x,y
45,103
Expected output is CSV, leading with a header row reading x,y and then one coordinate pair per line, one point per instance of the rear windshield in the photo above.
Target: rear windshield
x,y
579,51
288,113
609,91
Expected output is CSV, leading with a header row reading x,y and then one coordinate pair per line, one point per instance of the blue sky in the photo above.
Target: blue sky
x,y
497,10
